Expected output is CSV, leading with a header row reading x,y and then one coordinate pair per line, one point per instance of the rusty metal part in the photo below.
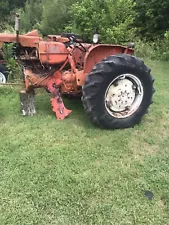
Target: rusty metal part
x,y
80,77
69,83
98,52
30,39
52,52
51,84
56,101
59,108
33,80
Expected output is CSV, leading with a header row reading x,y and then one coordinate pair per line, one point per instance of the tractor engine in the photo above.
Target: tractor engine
x,y
52,53
40,63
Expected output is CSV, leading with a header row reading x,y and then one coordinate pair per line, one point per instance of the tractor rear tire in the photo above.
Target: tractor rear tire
x,y
118,92
3,73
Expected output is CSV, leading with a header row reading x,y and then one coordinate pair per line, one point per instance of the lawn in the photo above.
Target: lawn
x,y
73,173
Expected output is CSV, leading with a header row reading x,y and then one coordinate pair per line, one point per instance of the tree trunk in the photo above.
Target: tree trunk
x,y
27,102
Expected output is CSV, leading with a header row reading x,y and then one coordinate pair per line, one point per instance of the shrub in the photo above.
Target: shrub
x,y
15,70
158,50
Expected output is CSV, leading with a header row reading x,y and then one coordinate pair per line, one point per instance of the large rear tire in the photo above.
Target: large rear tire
x,y
118,92
3,73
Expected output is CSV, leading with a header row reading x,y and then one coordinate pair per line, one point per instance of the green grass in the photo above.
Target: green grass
x,y
70,172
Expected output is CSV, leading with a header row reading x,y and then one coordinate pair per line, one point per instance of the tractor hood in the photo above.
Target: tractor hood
x,y
30,39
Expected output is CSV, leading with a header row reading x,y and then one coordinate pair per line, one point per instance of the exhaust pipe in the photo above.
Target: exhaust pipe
x,y
17,25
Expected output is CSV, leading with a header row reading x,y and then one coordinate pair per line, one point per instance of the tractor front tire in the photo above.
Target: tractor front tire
x,y
3,73
118,92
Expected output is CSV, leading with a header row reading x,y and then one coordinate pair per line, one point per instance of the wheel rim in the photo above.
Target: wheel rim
x,y
2,78
123,96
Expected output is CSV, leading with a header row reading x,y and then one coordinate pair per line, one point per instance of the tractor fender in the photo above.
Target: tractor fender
x,y
98,52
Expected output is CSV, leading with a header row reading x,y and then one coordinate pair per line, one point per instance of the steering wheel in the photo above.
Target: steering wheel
x,y
73,39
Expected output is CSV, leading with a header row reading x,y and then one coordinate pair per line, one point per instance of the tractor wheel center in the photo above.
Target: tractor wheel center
x,y
2,78
123,96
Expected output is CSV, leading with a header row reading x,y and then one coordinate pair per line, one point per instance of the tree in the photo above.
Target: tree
x,y
56,16
31,15
152,18
7,9
7,6
111,19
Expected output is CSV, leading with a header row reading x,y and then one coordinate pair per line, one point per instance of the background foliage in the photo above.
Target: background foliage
x,y
117,21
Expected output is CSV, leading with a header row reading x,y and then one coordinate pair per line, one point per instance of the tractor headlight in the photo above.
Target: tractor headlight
x,y
131,45
95,38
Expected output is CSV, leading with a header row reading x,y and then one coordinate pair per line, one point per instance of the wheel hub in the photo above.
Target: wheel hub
x,y
124,96
2,78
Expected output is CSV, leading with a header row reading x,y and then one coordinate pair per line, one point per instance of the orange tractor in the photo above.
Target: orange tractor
x,y
116,87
